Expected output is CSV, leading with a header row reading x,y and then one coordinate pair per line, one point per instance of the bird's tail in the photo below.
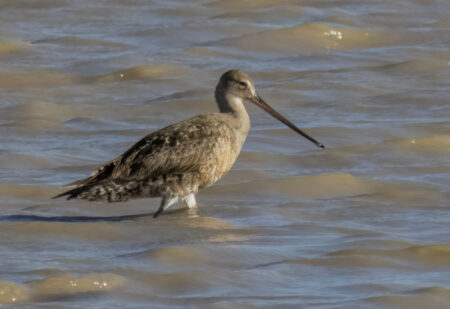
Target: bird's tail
x,y
106,191
71,194
91,187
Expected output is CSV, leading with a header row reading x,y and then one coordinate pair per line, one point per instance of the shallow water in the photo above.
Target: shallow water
x,y
362,224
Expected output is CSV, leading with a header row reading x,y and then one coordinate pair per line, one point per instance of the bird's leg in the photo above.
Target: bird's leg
x,y
189,201
166,202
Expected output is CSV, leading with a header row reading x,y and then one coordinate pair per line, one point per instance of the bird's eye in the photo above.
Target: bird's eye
x,y
243,84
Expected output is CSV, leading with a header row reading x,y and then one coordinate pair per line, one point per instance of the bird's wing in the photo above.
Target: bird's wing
x,y
179,148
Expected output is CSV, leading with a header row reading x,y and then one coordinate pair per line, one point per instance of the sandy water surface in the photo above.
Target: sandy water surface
x,y
363,224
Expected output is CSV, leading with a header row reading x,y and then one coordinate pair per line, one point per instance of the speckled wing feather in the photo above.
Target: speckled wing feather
x,y
181,148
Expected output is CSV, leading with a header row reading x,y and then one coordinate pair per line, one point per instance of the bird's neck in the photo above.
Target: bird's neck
x,y
233,105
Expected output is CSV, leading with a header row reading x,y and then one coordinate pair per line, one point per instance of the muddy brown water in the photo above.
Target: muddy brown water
x,y
362,224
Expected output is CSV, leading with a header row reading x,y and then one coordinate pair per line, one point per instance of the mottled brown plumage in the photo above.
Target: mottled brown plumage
x,y
177,161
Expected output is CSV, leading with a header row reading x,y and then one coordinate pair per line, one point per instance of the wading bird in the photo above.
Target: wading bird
x,y
177,161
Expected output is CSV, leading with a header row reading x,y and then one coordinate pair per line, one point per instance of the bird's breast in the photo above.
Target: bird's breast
x,y
221,159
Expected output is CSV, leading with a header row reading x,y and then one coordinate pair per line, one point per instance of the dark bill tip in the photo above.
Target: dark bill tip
x,y
257,100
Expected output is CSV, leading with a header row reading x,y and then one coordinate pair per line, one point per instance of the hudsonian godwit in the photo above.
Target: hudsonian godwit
x,y
177,161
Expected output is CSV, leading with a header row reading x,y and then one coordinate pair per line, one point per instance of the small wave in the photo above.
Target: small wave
x,y
78,41
435,297
175,255
8,47
69,284
431,255
27,192
248,5
412,257
177,282
12,293
312,37
318,186
433,144
139,72
414,66
36,79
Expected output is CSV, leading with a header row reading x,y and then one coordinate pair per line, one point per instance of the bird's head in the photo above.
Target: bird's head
x,y
237,84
